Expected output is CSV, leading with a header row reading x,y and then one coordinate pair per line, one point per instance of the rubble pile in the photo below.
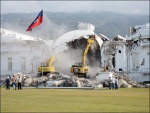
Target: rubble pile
x,y
62,80
58,80
124,81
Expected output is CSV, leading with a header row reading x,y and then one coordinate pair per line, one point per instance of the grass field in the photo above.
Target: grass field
x,y
75,100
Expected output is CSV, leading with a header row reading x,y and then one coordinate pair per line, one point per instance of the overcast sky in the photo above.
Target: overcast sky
x,y
130,7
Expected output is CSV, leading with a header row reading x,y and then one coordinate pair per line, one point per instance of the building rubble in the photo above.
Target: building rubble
x,y
62,80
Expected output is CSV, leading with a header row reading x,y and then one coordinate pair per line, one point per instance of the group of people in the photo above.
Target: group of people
x,y
113,83
15,82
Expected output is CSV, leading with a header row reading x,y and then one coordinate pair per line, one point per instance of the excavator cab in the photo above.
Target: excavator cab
x,y
47,67
80,71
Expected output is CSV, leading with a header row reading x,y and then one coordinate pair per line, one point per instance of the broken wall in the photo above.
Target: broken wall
x,y
113,54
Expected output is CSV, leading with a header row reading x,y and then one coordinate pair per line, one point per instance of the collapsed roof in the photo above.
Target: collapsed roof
x,y
83,30
140,31
10,36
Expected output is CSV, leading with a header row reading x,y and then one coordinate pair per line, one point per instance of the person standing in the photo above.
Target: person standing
x,y
116,83
19,83
37,84
14,82
113,83
110,83
7,83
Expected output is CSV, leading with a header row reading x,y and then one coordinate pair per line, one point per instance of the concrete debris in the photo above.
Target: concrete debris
x,y
62,80
55,83
126,82
147,85
28,82
123,83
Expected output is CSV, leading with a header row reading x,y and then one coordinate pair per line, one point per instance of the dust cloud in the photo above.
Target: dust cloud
x,y
47,30
73,55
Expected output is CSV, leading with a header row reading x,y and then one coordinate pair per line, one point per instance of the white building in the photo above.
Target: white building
x,y
138,53
21,53
114,53
129,55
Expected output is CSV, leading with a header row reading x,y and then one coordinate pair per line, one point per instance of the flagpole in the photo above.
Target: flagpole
x,y
42,58
34,24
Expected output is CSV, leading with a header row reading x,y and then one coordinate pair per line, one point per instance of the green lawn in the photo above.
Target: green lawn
x,y
75,100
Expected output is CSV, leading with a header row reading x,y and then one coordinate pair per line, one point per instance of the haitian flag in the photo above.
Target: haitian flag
x,y
36,22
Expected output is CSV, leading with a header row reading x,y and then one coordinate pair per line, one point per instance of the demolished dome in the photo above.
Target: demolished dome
x,y
73,44
61,43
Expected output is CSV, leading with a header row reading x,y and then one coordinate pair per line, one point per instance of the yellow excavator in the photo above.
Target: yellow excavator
x,y
82,69
47,67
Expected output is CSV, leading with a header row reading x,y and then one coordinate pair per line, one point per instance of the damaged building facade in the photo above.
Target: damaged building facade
x,y
125,55
138,53
129,55
114,53
21,53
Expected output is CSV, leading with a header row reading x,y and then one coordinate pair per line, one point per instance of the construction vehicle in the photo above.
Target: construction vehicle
x,y
47,67
81,69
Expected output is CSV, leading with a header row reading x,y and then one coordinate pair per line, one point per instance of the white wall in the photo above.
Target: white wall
x,y
16,63
120,59
141,73
17,59
141,53
144,54
139,77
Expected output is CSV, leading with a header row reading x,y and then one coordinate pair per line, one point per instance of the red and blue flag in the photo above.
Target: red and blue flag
x,y
36,22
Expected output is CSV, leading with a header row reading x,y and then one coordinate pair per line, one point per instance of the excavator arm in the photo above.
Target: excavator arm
x,y
51,60
89,42
82,70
